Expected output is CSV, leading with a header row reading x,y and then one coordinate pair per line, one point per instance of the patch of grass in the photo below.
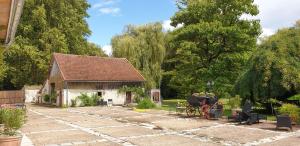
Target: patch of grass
x,y
271,118
140,110
170,104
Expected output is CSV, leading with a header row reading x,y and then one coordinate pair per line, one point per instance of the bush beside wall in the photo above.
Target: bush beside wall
x,y
146,103
86,100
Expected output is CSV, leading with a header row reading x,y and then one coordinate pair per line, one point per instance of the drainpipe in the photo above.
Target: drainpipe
x,y
67,94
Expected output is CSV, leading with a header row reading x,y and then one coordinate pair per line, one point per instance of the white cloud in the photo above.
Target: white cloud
x,y
276,14
107,49
267,32
107,7
111,10
168,27
103,3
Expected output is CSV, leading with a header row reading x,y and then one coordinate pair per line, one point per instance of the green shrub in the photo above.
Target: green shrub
x,y
53,97
295,97
13,119
146,103
73,102
94,99
46,98
137,99
291,110
86,100
235,102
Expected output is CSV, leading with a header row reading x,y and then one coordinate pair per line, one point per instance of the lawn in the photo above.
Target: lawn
x,y
170,104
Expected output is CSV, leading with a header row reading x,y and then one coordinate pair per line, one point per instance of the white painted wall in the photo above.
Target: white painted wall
x,y
54,70
31,95
118,98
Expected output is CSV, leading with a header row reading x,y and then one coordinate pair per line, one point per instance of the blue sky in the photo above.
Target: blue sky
x,y
108,17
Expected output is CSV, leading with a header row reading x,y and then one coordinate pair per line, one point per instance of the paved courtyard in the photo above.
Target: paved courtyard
x,y
109,126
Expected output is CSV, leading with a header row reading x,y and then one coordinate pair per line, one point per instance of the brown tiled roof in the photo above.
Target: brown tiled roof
x,y
92,68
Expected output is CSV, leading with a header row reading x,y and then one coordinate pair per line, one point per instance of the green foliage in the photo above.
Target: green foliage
x,y
74,102
144,47
53,97
295,97
213,44
137,91
291,110
46,26
273,70
13,119
46,98
86,100
94,99
235,102
145,103
3,66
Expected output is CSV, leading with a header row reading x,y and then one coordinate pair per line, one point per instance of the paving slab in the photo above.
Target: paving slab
x,y
179,124
169,140
124,115
30,121
291,141
88,123
127,131
238,134
61,137
79,117
106,143
44,126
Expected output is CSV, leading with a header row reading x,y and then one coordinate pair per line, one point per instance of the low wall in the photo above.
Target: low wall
x,y
12,97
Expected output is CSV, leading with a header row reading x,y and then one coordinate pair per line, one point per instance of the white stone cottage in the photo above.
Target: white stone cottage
x,y
71,75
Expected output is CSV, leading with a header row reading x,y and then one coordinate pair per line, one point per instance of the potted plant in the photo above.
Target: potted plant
x,y
12,119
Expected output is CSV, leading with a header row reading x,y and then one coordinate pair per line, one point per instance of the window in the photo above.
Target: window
x,y
99,94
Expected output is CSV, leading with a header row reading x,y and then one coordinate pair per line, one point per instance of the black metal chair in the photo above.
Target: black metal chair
x,y
284,121
247,115
101,102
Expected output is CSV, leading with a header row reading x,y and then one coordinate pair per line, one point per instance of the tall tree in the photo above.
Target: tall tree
x,y
274,69
213,43
144,47
3,67
46,26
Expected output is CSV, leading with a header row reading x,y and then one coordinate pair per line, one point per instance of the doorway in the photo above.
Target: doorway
x,y
60,99
128,97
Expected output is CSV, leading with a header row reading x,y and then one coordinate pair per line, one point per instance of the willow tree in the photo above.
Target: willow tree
x,y
274,69
46,26
144,47
213,43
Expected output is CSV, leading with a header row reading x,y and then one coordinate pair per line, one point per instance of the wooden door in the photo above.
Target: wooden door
x,y
60,99
128,97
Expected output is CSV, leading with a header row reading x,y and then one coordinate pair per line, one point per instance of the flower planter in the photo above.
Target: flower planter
x,y
10,140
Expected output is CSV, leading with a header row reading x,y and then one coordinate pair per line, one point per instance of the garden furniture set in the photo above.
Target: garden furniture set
x,y
210,108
